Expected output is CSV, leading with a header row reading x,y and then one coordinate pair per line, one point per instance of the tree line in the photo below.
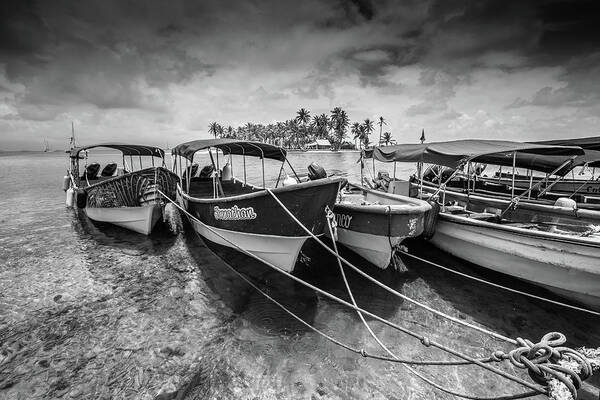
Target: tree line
x,y
298,132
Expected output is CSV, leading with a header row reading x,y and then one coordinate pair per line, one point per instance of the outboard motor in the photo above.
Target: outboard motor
x,y
206,171
227,175
91,171
109,169
192,170
315,171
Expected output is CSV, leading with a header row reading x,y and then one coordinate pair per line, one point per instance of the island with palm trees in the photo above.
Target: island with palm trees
x,y
305,132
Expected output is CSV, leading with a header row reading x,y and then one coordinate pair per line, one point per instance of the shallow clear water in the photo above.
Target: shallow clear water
x,y
93,311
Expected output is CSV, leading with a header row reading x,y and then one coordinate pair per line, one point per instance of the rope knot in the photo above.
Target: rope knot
x,y
425,341
550,363
363,352
498,356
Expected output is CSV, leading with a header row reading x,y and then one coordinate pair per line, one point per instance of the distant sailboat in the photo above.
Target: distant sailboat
x,y
46,146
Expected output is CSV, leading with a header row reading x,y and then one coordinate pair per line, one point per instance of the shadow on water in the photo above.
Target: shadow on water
x,y
127,241
315,266
322,270
508,313
264,316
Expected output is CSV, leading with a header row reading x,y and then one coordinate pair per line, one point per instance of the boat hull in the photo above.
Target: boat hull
x,y
374,230
256,223
138,219
567,267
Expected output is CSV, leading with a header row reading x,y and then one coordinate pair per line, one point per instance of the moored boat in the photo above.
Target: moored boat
x,y
373,223
122,196
557,247
232,212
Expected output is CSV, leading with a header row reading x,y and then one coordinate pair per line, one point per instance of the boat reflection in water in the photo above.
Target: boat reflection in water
x,y
230,211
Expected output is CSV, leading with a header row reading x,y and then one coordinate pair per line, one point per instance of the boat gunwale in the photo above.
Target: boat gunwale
x,y
260,191
114,178
465,220
416,206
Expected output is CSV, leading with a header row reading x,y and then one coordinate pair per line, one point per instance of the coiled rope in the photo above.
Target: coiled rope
x,y
531,357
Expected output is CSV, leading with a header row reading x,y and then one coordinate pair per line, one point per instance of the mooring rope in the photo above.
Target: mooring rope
x,y
532,358
330,217
389,289
500,286
496,356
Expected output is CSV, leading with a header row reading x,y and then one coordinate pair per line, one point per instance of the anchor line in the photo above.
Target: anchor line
x,y
389,289
500,286
536,389
330,222
563,377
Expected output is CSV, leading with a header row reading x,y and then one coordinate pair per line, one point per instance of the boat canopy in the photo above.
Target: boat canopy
x,y
126,149
538,157
231,146
588,143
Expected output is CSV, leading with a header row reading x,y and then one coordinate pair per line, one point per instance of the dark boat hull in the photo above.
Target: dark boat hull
x,y
256,223
374,229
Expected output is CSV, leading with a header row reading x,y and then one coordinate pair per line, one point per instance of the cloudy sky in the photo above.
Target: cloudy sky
x,y
157,71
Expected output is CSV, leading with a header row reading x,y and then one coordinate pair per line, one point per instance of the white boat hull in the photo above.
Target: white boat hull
x,y
137,219
281,251
377,250
568,267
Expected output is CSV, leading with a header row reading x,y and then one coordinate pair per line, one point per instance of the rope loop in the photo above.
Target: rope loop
x,y
425,341
548,360
332,222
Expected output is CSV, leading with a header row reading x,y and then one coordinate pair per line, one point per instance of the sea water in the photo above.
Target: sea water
x,y
93,311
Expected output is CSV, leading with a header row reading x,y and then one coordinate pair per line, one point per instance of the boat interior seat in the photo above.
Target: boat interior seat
x,y
203,187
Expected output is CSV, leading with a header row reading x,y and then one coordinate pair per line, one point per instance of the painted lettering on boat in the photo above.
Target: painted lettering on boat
x,y
234,213
343,220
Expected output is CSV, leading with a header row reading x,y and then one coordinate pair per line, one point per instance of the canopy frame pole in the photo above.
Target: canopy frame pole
x,y
244,156
500,174
187,175
362,170
279,175
538,184
420,169
593,172
216,181
131,161
514,162
530,184
292,168
550,186
140,159
394,170
123,159
262,161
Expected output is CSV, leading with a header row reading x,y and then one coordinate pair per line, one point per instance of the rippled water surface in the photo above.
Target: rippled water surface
x,y
97,312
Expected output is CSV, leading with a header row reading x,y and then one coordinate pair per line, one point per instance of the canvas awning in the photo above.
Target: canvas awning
x,y
499,152
126,149
231,146
588,143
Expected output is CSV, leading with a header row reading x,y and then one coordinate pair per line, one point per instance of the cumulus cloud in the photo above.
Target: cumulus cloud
x,y
175,66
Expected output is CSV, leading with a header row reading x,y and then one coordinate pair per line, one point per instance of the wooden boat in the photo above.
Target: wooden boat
x,y
551,246
232,212
373,223
121,196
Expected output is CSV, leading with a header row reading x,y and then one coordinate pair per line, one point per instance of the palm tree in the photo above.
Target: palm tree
x,y
387,139
355,130
367,130
303,116
230,133
381,123
213,129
